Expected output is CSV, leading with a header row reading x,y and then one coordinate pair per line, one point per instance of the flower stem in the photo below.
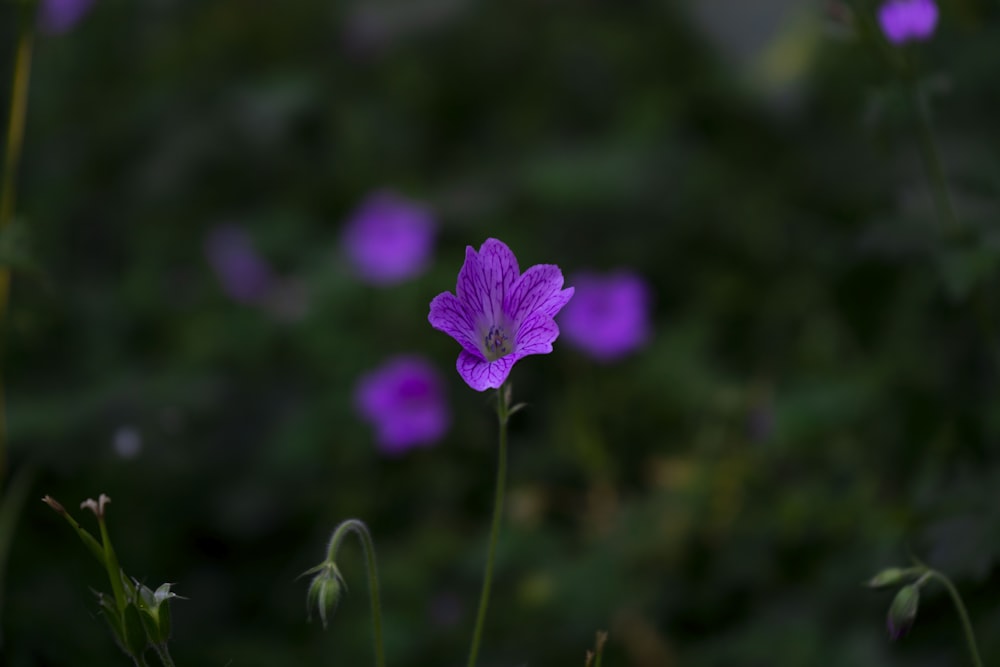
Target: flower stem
x,y
361,530
963,614
931,156
503,415
12,156
164,654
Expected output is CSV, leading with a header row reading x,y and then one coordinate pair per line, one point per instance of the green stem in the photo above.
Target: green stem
x,y
503,414
931,156
164,654
361,530
12,156
963,614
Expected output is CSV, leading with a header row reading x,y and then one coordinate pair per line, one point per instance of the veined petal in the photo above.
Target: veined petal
x,y
537,290
492,274
535,336
481,374
467,290
450,315
554,304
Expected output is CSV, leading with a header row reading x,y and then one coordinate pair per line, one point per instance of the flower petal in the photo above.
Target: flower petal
x,y
539,289
556,302
467,290
481,374
536,335
449,315
485,278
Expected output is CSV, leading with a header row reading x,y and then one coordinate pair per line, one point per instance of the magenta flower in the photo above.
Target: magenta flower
x,y
244,275
389,239
609,316
404,399
908,20
499,315
58,16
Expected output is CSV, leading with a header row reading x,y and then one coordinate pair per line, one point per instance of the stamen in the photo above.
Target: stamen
x,y
497,343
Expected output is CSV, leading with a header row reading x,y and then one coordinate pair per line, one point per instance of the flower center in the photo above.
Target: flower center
x,y
497,344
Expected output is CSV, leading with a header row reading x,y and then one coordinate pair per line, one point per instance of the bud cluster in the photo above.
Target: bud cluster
x,y
138,616
903,610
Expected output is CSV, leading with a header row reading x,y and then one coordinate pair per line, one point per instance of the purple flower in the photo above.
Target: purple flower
x,y
404,399
609,316
58,16
908,20
499,315
245,277
389,239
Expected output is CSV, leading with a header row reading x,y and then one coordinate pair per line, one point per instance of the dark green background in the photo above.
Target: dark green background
x,y
821,393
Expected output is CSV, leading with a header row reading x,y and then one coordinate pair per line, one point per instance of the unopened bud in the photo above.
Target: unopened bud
x,y
325,589
888,577
54,504
903,611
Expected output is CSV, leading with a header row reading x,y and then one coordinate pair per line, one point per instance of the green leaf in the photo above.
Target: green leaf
x,y
135,633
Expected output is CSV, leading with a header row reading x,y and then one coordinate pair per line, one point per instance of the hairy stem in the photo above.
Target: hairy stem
x,y
361,530
963,614
503,414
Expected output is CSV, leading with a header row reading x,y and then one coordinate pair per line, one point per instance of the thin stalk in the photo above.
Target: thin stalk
x,y
931,156
361,530
164,655
963,614
503,414
8,182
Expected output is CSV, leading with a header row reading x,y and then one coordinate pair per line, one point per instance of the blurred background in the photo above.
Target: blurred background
x,y
783,375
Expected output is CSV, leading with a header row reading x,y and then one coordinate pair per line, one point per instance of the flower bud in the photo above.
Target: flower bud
x,y
888,577
155,608
903,611
325,589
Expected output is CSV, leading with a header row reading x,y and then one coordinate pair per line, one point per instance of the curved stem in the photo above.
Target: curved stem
x,y
12,157
503,414
361,530
963,614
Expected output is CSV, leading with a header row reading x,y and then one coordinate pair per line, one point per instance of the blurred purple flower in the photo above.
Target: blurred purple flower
x,y
244,275
404,399
499,315
59,16
609,316
389,238
908,20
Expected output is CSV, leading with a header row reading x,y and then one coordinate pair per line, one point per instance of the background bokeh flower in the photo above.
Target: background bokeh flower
x,y
389,239
57,16
404,400
609,316
242,272
908,20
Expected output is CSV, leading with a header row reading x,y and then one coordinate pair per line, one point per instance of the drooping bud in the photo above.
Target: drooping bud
x,y
903,611
888,577
325,589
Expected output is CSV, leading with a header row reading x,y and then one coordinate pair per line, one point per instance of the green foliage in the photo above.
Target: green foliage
x,y
821,393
